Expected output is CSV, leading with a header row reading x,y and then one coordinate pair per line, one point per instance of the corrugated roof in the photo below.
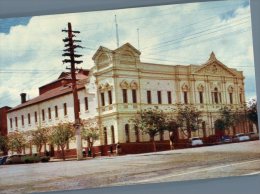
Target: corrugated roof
x,y
54,93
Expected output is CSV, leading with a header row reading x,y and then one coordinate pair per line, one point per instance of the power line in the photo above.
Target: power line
x,y
219,28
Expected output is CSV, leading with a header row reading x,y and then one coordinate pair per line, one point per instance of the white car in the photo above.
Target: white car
x,y
241,137
196,141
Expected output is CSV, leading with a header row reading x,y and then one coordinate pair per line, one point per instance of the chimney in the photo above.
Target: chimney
x,y
23,97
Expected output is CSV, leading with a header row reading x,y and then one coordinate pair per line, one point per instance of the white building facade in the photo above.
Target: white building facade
x,y
120,84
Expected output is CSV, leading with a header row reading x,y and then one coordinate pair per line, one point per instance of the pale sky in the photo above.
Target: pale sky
x,y
31,48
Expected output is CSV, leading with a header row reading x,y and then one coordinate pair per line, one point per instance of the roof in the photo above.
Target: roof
x,y
67,75
54,93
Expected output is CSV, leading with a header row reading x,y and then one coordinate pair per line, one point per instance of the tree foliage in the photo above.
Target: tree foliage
x,y
3,144
188,119
40,137
219,124
90,134
151,122
227,119
252,112
60,135
172,127
17,141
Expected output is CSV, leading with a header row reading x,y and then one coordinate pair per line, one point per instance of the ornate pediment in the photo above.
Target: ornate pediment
x,y
215,68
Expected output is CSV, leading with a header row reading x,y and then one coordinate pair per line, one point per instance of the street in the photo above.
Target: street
x,y
187,164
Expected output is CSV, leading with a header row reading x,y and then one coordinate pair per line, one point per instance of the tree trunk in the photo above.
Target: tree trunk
x,y
39,149
153,142
62,152
171,140
189,133
257,127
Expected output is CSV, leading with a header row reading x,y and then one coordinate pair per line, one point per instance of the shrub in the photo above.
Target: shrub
x,y
45,158
31,159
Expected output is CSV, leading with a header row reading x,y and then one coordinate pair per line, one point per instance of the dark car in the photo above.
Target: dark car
x,y
3,160
226,139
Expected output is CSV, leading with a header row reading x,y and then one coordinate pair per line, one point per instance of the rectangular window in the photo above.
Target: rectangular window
x,y
65,109
43,115
169,95
102,99
86,103
185,96
56,112
110,100
49,112
134,96
159,95
16,122
201,97
22,120
220,99
216,97
11,123
149,97
35,117
240,98
231,98
124,95
29,118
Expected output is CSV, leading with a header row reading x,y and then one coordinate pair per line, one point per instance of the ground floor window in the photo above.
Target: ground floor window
x,y
137,134
105,136
112,134
127,134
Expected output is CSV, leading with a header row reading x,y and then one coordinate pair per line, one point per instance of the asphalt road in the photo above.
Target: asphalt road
x,y
176,165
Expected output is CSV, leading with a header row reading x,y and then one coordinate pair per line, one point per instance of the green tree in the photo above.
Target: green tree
x,y
172,127
219,124
227,119
151,122
16,141
60,135
40,137
188,119
252,113
90,134
3,144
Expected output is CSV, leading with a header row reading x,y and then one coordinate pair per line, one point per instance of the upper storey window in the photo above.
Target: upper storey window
x,y
124,95
216,96
185,89
149,97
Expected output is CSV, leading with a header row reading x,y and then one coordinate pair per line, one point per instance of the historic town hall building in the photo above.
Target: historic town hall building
x,y
120,84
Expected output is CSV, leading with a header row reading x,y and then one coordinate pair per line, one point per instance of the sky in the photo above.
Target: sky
x,y
31,47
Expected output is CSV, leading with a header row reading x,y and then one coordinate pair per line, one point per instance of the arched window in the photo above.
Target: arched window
x,y
112,134
216,95
201,89
185,89
230,91
137,134
105,136
204,129
127,134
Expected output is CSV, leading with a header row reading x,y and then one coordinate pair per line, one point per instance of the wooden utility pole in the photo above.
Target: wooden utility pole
x,y
70,52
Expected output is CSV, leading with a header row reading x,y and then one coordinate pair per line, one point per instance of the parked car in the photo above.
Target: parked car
x,y
196,141
3,160
253,135
241,137
226,139
15,159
